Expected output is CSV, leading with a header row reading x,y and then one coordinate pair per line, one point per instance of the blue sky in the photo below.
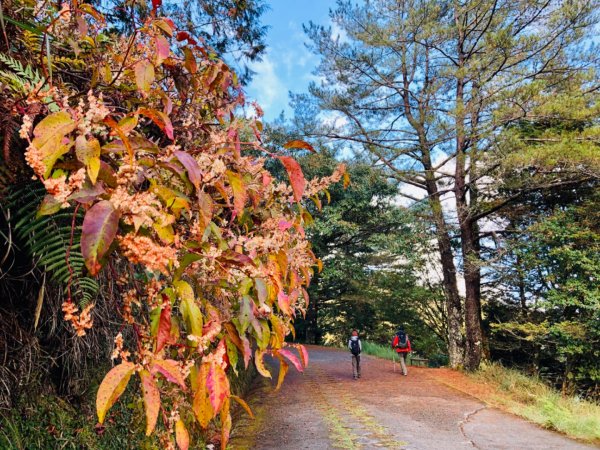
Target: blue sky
x,y
287,64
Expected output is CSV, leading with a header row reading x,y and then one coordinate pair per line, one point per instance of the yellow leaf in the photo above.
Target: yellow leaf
x,y
283,368
151,396
260,364
144,75
48,138
112,387
240,195
88,153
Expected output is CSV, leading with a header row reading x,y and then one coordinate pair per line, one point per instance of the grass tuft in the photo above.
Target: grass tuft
x,y
531,398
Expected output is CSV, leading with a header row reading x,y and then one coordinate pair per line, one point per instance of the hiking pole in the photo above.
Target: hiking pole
x,y
394,361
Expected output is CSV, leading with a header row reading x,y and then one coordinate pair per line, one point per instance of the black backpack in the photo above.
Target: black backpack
x,y
355,347
402,340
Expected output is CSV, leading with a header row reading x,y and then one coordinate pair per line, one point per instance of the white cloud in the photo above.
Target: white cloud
x,y
266,87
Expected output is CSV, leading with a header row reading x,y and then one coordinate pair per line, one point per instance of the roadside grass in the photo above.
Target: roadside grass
x,y
381,351
531,398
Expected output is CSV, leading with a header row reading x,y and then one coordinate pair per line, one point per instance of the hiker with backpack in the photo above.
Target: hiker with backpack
x,y
355,348
401,344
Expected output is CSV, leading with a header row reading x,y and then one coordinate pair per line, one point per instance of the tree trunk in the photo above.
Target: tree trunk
x,y
468,228
453,301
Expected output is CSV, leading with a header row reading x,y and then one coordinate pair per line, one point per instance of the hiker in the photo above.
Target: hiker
x,y
401,344
355,348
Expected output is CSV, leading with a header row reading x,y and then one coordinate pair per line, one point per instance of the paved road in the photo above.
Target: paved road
x,y
324,408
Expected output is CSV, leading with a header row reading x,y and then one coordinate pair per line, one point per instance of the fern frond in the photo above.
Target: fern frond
x,y
28,73
47,239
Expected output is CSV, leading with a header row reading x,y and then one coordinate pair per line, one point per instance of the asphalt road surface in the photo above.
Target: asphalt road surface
x,y
324,408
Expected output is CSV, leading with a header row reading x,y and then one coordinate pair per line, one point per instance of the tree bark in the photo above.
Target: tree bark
x,y
468,227
449,283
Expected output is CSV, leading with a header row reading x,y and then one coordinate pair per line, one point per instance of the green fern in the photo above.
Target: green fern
x,y
18,75
47,240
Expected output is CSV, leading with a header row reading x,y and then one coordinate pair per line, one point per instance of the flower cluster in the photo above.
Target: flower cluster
x,y
80,322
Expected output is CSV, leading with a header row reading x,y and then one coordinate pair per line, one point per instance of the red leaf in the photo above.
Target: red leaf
x,y
181,35
217,384
283,301
169,369
156,4
247,351
160,119
303,354
292,358
162,49
151,397
99,230
296,176
191,165
164,324
300,144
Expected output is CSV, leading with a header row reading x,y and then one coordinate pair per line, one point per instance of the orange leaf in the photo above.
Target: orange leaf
x,y
190,60
217,384
283,368
169,369
182,436
225,424
296,176
161,120
202,406
151,400
300,144
243,404
111,388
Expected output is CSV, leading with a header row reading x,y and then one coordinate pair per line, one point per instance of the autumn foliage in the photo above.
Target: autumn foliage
x,y
154,141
